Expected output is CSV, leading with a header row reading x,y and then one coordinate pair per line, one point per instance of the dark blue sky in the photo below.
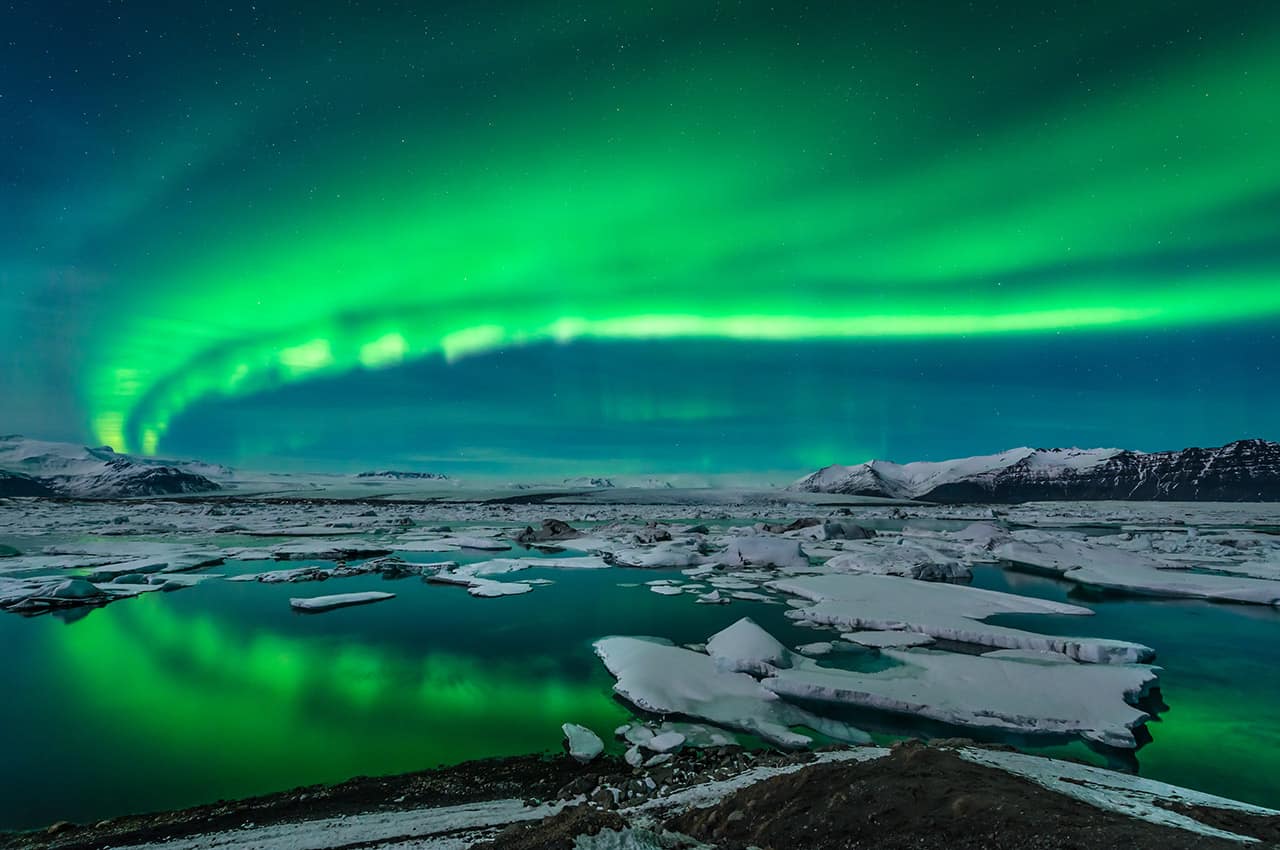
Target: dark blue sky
x,y
555,237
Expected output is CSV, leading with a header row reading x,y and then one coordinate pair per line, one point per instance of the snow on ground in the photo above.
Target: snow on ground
x,y
744,647
459,826
439,828
946,611
1144,799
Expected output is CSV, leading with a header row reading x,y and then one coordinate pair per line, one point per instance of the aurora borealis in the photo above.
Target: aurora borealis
x,y
623,238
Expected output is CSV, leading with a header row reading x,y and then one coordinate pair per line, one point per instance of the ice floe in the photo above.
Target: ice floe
x,y
338,600
763,551
744,647
899,557
669,554
1115,569
483,588
945,611
987,693
663,679
887,639
583,744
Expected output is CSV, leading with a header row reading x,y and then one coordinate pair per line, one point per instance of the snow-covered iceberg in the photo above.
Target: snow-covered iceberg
x,y
1012,695
1118,570
338,600
944,611
669,680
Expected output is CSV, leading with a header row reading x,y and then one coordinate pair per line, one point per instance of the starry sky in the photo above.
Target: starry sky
x,y
637,238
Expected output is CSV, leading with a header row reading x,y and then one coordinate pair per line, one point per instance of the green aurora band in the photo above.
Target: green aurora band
x,y
762,188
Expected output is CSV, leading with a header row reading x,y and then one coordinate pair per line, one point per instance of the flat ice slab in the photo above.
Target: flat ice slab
x,y
944,611
1115,569
338,600
990,693
670,680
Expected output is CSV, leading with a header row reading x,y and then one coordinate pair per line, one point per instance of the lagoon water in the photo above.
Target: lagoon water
x,y
222,691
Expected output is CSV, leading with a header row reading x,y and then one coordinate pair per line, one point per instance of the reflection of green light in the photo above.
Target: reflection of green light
x,y
308,710
713,202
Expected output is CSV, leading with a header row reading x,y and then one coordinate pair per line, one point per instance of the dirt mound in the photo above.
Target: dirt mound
x,y
919,798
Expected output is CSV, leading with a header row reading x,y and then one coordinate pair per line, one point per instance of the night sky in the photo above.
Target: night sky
x,y
553,237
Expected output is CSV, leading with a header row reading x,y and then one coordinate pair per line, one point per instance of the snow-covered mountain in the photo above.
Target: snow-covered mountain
x,y
39,468
1243,471
401,475
590,482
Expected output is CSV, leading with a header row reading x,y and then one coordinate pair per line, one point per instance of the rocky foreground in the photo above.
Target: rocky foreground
x,y
949,795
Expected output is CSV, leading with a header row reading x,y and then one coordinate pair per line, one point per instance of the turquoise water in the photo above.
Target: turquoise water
x,y
222,691
1220,681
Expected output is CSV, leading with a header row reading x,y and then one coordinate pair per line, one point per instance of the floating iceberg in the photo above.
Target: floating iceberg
x,y
665,680
989,693
744,647
945,611
763,551
1114,569
339,600
583,744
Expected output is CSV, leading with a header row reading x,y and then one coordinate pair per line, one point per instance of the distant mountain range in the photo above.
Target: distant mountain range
x,y
38,468
1243,471
401,475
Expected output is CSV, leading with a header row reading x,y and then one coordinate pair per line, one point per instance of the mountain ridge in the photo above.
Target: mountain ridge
x,y
47,469
1243,470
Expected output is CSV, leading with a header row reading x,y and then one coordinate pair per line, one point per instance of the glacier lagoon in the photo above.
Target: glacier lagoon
x,y
221,691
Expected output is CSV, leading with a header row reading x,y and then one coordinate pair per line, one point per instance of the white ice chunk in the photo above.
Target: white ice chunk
x,y
584,745
338,600
944,611
887,639
898,557
761,551
1115,569
981,692
744,647
666,742
668,554
664,679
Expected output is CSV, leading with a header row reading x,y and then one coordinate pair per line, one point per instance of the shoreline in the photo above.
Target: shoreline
x,y
945,794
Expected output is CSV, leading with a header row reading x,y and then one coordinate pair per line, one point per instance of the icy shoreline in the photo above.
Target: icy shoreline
x,y
499,803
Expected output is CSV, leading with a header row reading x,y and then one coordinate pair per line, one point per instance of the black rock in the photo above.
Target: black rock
x,y
16,484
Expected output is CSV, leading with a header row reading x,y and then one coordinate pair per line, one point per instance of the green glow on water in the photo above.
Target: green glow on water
x,y
221,691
